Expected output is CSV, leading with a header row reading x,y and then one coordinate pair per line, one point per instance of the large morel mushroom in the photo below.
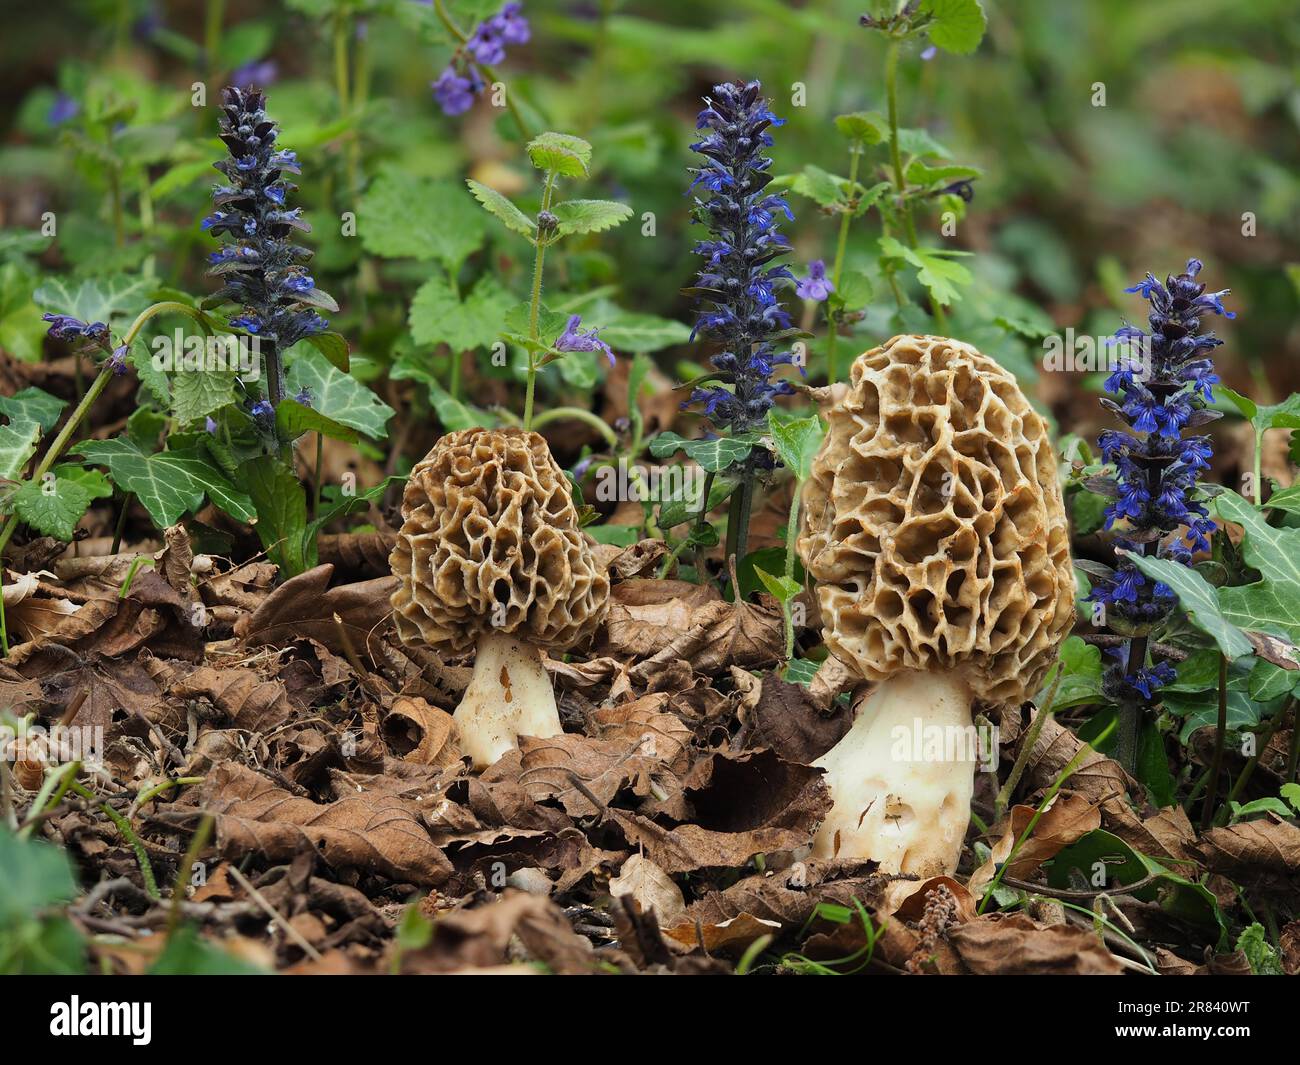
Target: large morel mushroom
x,y
935,536
490,557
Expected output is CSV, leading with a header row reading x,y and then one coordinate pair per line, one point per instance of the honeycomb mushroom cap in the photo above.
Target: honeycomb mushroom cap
x,y
934,529
490,542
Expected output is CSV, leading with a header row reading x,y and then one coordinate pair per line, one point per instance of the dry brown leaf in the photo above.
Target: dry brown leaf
x,y
787,720
306,605
370,831
248,701
732,936
723,634
647,615
1007,944
418,732
653,889
1068,819
1261,853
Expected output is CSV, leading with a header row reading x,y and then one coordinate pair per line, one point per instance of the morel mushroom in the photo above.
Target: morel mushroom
x,y
935,536
490,557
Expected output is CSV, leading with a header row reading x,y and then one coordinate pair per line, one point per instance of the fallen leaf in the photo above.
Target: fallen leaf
x,y
1003,944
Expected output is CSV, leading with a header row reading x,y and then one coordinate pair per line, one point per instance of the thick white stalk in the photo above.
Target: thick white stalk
x,y
509,696
901,778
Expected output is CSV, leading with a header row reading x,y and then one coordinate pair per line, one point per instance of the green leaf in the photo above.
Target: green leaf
x,y
1153,766
18,442
168,484
407,216
865,127
801,671
452,413
53,505
501,208
34,875
1198,599
958,25
562,153
783,587
796,439
333,393
1081,683
1264,960
33,404
281,503
823,188
590,216
920,173
197,393
677,511
712,455
632,331
95,299
618,535
333,346
438,317
1272,603
292,419
933,269
855,290
189,954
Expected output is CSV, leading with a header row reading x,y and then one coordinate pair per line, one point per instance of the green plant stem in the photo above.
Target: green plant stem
x,y
577,414
1005,793
1065,774
186,870
841,245
1220,739
1130,712
115,194
787,605
1293,758
120,527
896,160
1259,468
1248,770
317,478
128,833
214,17
535,305
742,502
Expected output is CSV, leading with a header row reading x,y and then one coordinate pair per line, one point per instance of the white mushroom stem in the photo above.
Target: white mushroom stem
x,y
901,778
509,696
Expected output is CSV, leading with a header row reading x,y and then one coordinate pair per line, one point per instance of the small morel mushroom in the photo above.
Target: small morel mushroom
x,y
490,557
935,536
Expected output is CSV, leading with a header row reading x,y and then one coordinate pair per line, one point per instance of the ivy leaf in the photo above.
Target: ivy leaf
x,y
864,127
934,269
407,216
438,317
1197,596
95,299
590,216
168,484
561,153
18,442
333,346
713,455
958,25
33,404
796,440
1273,602
334,394
501,208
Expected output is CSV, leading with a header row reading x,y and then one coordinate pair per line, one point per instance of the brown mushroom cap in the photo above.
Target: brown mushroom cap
x,y
934,530
490,542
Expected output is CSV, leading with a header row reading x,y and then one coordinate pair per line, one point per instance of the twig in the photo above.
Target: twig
x,y
274,914
1065,893
1220,739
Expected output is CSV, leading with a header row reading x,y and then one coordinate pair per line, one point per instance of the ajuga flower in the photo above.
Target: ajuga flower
x,y
1163,381
262,269
740,311
458,84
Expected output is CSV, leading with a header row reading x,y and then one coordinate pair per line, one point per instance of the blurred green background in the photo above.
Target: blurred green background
x,y
1193,153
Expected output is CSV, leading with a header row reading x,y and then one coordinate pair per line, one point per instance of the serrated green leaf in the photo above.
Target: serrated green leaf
x,y
823,188
53,505
1198,599
563,153
333,393
407,216
934,269
590,216
438,317
920,173
197,393
632,331
501,208
168,484
1081,681
958,25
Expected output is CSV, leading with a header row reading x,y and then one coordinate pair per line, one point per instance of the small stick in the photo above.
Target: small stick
x,y
272,913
